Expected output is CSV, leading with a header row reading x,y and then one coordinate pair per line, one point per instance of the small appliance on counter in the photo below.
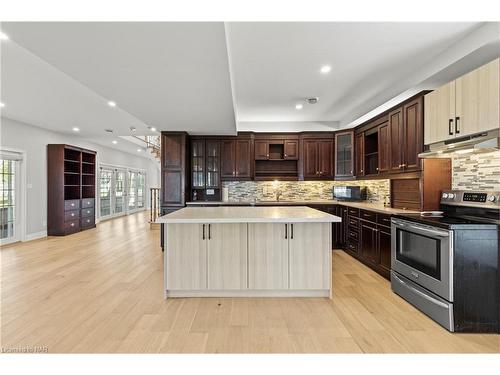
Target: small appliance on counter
x,y
448,264
349,193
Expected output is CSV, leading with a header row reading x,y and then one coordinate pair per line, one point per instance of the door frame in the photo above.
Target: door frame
x,y
21,190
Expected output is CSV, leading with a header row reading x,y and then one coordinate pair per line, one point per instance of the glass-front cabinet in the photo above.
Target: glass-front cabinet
x,y
205,169
344,154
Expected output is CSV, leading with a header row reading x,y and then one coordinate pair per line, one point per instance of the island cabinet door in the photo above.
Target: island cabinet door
x,y
268,256
185,257
310,255
227,256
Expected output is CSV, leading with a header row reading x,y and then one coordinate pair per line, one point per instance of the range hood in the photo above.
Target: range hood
x,y
476,143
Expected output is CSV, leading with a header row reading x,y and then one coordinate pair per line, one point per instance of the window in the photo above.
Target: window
x,y
105,191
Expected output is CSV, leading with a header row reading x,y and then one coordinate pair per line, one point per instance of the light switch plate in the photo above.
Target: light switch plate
x,y
210,192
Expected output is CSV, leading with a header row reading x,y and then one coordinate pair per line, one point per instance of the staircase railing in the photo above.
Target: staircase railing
x,y
154,202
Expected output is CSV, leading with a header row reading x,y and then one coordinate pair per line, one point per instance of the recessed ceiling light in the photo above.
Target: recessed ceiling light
x,y
153,129
115,142
75,129
299,106
325,69
132,129
3,36
139,150
112,103
2,105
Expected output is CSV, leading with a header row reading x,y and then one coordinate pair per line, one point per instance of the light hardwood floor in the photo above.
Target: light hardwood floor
x,y
101,291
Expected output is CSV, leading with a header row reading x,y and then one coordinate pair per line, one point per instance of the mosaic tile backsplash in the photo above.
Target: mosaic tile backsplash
x,y
302,190
476,171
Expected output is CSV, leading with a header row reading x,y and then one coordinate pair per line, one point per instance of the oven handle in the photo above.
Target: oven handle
x,y
421,294
399,224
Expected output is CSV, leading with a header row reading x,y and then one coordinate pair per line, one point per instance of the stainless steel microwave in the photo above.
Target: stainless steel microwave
x,y
352,193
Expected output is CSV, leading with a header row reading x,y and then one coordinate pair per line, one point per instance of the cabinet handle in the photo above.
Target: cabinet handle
x,y
72,224
236,173
361,171
291,234
285,155
450,126
286,231
209,236
457,125
203,236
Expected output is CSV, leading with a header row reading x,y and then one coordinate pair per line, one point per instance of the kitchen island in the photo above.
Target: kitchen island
x,y
248,252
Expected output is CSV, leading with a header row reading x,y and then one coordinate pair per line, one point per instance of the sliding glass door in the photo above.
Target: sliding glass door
x,y
105,182
120,181
136,190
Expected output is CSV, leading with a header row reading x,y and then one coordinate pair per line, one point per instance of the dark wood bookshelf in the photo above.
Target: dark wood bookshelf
x,y
70,187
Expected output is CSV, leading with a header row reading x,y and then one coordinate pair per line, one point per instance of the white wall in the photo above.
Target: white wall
x,y
34,140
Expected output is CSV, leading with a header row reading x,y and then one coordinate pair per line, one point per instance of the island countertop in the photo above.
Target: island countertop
x,y
273,214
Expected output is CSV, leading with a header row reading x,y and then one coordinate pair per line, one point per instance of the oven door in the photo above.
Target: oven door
x,y
423,254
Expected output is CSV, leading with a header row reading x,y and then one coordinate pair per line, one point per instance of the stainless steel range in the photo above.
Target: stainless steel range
x,y
448,265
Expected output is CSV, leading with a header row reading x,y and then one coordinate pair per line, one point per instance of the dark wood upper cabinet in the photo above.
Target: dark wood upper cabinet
x,y
325,158
317,156
396,126
310,156
205,169
291,149
360,154
261,150
413,134
344,154
174,171
384,147
236,159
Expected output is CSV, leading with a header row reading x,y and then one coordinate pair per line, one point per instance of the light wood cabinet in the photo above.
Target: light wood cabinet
x,y
468,105
309,254
227,256
186,257
267,256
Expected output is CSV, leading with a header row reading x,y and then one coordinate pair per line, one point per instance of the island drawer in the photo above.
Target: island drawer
x,y
86,212
368,215
87,202
353,211
71,215
73,204
384,219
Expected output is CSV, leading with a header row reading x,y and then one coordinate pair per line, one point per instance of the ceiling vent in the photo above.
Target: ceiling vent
x,y
312,100
109,130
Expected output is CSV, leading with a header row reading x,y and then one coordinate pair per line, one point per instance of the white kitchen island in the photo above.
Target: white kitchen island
x,y
248,252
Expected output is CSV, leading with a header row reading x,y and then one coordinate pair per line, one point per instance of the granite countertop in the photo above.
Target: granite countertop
x,y
244,214
363,205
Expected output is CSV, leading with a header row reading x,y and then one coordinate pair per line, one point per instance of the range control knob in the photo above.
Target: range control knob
x,y
451,195
492,198
445,195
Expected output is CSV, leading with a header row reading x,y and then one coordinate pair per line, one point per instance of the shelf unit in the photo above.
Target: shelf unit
x,y
71,185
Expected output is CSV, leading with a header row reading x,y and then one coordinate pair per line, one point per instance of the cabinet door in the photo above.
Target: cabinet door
x,y
360,154
384,147
413,135
228,159
397,138
325,158
198,163
344,154
439,114
185,257
368,241
310,254
268,256
384,246
261,150
227,256
212,163
478,100
292,150
243,156
310,159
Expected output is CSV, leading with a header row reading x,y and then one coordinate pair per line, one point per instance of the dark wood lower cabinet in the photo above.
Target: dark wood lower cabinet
x,y
368,244
384,246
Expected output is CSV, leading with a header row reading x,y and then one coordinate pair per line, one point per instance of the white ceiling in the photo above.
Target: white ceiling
x,y
186,76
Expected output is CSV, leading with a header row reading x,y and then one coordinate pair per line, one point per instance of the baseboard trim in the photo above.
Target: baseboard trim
x,y
247,293
35,236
